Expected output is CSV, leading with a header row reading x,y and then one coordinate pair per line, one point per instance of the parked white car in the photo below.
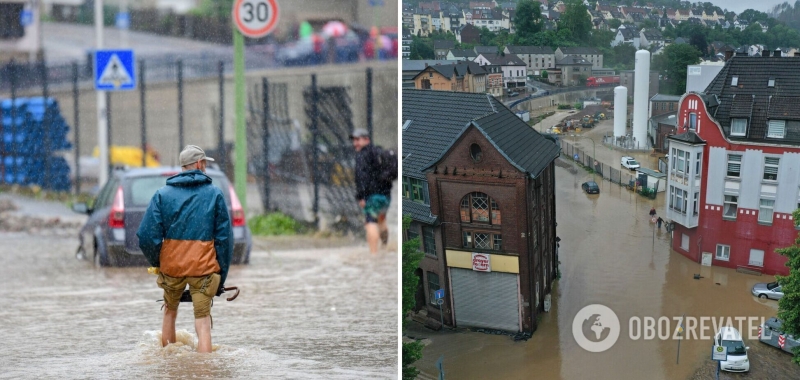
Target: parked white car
x,y
737,351
629,163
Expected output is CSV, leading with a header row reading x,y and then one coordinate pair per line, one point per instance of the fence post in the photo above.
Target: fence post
x,y
46,127
142,91
108,135
314,149
265,141
369,102
223,163
76,107
180,105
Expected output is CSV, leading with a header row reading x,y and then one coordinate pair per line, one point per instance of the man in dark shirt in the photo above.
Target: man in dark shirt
x,y
372,192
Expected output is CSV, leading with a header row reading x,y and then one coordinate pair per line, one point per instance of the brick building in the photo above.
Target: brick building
x,y
733,170
479,184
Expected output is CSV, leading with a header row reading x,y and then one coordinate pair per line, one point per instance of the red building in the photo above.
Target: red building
x,y
734,165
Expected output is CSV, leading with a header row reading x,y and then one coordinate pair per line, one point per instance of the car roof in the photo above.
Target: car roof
x,y
628,157
161,170
729,333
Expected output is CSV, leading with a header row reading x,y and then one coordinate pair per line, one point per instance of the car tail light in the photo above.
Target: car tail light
x,y
116,219
236,207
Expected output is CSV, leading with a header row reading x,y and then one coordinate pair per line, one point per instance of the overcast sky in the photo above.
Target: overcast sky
x,y
739,6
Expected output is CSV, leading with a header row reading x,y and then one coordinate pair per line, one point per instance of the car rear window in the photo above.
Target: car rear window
x,y
142,189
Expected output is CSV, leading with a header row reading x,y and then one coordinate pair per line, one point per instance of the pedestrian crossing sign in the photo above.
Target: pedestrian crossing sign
x,y
114,70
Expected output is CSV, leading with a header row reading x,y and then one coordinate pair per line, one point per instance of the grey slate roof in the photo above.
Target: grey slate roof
x,y
466,53
754,100
486,49
688,137
517,49
420,64
504,60
580,50
418,211
627,34
665,98
444,44
440,117
573,60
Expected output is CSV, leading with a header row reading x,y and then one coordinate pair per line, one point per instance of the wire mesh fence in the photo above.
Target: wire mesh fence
x,y
611,173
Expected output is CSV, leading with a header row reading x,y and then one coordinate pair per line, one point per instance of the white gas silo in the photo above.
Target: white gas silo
x,y
641,90
620,110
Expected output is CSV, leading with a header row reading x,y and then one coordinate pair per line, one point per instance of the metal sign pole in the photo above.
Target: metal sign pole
x,y
102,121
240,165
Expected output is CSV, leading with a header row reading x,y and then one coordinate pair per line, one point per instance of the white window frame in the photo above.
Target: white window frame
x,y
776,129
696,203
737,124
736,162
728,203
697,164
764,209
723,252
776,164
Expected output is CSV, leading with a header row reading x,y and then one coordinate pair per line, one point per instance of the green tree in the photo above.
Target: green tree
x,y
421,48
528,18
673,64
614,23
789,305
412,351
577,20
544,74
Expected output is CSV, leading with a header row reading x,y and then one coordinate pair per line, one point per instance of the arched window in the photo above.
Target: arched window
x,y
480,208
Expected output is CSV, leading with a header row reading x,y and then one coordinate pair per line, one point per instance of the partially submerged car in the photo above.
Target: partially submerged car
x,y
109,235
771,333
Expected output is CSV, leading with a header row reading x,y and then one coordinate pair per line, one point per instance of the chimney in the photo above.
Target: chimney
x,y
765,53
728,54
777,53
797,54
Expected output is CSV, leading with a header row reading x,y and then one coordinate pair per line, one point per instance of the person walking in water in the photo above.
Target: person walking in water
x,y
659,221
186,232
652,211
372,191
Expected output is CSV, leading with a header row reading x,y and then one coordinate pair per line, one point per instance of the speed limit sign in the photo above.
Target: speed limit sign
x,y
255,18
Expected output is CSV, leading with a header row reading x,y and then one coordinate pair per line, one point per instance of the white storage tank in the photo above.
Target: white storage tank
x,y
620,110
641,91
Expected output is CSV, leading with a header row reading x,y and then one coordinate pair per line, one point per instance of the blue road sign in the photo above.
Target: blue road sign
x,y
576,156
25,17
123,20
375,3
114,70
438,294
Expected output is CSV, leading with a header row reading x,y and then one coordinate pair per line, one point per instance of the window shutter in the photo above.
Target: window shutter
x,y
777,128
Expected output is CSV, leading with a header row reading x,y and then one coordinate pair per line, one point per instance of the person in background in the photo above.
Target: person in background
x,y
372,193
659,221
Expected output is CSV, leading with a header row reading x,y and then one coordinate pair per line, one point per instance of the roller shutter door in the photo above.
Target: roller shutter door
x,y
485,299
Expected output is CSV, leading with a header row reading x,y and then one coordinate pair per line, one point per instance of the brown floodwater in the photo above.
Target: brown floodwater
x,y
319,314
611,255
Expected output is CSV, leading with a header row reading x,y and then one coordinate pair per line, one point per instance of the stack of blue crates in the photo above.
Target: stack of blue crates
x,y
30,144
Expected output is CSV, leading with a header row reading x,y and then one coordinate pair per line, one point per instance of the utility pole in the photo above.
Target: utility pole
x,y
102,121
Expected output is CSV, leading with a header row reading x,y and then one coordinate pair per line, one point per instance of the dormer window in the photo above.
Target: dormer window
x,y
738,127
777,129
735,81
771,82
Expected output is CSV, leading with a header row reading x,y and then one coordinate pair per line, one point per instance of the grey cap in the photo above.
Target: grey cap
x,y
359,132
192,154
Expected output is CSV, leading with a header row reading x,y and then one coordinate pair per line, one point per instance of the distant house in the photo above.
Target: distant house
x,y
494,79
441,47
461,77
412,67
573,69
537,58
651,38
515,71
593,55
468,34
461,55
628,36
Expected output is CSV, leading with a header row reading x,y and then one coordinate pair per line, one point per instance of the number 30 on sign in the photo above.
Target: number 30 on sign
x,y
255,18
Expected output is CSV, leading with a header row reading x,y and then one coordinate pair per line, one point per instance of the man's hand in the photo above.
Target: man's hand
x,y
220,290
362,203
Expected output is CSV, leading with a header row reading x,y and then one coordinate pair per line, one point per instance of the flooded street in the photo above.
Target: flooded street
x,y
309,313
611,255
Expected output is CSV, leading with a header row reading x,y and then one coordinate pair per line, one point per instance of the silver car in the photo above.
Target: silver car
x,y
772,290
770,333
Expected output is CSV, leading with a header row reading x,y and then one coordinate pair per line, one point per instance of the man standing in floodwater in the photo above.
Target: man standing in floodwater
x,y
187,233
372,192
